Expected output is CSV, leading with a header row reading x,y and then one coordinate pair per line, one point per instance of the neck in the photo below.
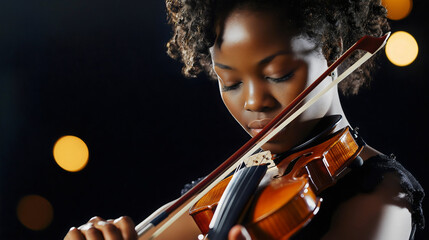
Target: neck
x,y
337,109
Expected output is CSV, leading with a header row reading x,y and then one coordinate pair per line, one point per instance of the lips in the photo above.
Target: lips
x,y
256,126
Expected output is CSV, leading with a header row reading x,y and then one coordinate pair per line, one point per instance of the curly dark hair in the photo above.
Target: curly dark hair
x,y
325,21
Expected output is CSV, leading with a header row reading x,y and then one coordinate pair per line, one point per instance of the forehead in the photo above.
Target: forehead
x,y
258,33
251,25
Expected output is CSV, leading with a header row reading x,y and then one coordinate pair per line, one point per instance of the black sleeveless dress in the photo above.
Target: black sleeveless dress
x,y
363,179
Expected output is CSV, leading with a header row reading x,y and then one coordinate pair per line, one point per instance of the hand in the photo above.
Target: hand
x,y
238,232
98,229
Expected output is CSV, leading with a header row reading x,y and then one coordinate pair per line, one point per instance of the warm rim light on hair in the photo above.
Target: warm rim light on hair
x,y
35,212
397,9
401,48
71,153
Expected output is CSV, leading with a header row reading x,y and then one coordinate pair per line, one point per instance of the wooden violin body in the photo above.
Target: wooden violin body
x,y
289,200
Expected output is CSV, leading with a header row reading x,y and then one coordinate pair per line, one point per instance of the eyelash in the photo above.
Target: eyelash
x,y
275,80
281,79
232,87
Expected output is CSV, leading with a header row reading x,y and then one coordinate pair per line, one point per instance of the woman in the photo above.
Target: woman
x,y
263,54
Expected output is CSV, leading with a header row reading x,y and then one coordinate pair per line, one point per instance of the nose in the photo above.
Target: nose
x,y
258,97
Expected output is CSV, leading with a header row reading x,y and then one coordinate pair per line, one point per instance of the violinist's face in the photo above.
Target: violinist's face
x,y
262,66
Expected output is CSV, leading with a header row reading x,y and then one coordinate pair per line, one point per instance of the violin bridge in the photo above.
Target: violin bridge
x,y
259,159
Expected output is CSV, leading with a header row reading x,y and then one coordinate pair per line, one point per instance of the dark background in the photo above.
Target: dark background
x,y
98,70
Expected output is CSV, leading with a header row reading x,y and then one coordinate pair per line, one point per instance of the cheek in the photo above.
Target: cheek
x,y
235,106
288,91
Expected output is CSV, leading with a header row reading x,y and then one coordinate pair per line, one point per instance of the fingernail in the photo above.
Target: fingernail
x,y
93,218
72,228
101,223
86,226
118,219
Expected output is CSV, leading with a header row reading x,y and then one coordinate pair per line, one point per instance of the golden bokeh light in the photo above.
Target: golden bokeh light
x,y
401,48
397,9
35,212
71,153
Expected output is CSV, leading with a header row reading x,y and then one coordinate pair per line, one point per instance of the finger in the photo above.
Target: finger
x,y
127,227
238,233
74,234
90,232
95,219
109,230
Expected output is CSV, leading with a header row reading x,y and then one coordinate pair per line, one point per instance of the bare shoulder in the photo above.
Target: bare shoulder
x,y
381,214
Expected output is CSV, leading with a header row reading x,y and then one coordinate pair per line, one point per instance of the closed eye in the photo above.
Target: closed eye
x,y
281,79
231,87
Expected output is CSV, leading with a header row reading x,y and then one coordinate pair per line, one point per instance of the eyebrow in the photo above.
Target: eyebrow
x,y
269,58
223,66
263,61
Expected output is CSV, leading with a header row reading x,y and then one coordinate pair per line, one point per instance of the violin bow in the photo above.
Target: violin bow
x,y
367,43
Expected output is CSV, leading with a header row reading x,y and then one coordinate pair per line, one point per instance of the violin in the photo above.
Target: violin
x,y
298,180
290,198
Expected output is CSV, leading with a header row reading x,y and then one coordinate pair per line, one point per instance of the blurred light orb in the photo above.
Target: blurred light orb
x,y
397,9
71,153
401,48
35,212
